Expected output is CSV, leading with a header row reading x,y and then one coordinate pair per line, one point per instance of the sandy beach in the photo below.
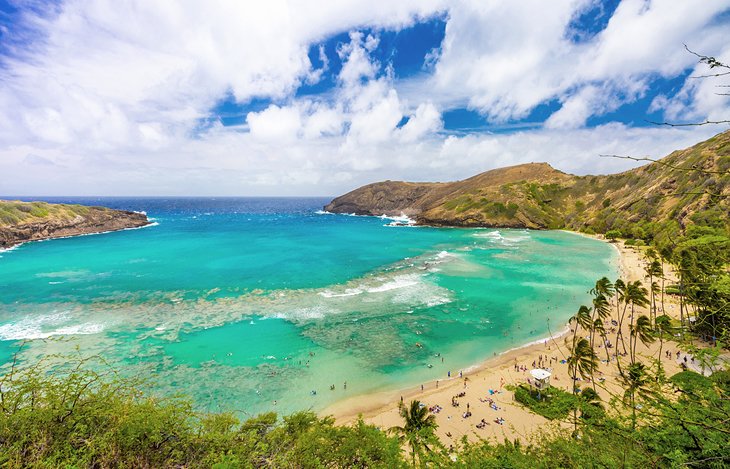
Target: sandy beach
x,y
483,386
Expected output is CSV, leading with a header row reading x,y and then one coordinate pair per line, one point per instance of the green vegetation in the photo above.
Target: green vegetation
x,y
690,186
417,430
16,213
86,419
80,418
552,403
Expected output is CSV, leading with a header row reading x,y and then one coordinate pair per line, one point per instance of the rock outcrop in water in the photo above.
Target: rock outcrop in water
x,y
33,221
689,183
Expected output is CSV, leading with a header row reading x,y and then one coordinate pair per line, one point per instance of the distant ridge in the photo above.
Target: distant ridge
x,y
689,183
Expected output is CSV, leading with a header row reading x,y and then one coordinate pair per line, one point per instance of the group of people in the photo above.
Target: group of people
x,y
454,402
543,362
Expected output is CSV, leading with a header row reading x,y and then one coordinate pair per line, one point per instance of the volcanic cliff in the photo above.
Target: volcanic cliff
x,y
33,221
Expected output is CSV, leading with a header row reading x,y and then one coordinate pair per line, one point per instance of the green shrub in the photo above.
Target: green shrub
x,y
554,403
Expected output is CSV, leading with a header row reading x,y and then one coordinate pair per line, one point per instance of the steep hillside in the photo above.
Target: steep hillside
x,y
688,185
32,221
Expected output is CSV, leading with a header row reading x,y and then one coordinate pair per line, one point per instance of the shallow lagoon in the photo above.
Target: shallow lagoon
x,y
243,302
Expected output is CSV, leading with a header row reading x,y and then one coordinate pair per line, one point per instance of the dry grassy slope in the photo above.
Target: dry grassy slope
x,y
538,196
31,221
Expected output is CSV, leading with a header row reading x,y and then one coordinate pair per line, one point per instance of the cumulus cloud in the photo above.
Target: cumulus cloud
x,y
426,120
506,58
109,95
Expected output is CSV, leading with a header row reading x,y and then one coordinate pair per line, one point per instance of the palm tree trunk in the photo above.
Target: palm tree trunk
x,y
681,305
575,409
592,334
633,339
661,344
662,286
633,411
633,353
651,288
620,326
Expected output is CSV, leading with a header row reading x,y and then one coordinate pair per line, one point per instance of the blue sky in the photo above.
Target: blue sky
x,y
144,98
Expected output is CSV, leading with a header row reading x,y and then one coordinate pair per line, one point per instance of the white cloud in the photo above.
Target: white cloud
x,y
110,97
426,120
275,123
506,58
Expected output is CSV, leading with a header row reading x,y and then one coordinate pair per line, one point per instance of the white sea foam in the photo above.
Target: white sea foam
x,y
437,300
347,292
11,248
401,281
398,220
323,212
443,255
46,326
306,313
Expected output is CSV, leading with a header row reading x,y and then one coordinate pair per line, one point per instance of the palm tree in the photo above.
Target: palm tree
x,y
418,428
663,325
601,308
653,270
620,289
653,289
641,331
637,382
599,329
663,277
602,291
635,295
582,318
603,287
582,361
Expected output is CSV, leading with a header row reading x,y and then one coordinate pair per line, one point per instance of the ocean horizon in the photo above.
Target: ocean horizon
x,y
251,304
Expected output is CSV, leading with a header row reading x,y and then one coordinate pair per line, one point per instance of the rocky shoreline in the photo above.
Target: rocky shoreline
x,y
93,220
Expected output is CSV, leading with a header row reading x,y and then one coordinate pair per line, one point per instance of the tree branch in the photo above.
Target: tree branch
x,y
664,163
691,124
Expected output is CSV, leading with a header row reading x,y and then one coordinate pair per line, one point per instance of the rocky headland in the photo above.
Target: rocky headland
x,y
21,222
685,185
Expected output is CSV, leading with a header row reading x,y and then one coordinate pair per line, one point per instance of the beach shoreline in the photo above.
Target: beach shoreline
x,y
490,376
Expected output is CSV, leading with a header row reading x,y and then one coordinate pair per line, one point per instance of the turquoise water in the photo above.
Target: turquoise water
x,y
243,302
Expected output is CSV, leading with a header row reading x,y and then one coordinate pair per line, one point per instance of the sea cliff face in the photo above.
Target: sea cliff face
x,y
686,185
33,221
